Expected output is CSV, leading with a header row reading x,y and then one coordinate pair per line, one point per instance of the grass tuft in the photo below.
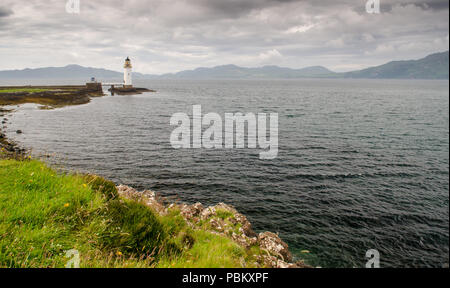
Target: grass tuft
x,y
99,184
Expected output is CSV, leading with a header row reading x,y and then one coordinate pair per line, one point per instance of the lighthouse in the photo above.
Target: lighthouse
x,y
127,82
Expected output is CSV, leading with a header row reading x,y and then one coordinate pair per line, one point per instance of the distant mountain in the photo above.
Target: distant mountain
x,y
434,66
67,72
236,72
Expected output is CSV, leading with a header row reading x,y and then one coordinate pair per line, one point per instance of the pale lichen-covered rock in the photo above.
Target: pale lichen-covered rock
x,y
246,227
190,212
237,218
212,210
244,240
207,213
271,243
146,197
217,224
268,261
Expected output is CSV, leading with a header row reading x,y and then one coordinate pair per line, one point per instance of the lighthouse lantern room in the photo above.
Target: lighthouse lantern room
x,y
127,74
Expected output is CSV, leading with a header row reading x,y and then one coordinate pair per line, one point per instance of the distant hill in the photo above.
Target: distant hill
x,y
435,66
219,72
236,72
66,72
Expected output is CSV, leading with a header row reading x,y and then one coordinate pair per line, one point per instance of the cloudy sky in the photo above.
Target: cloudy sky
x,y
171,35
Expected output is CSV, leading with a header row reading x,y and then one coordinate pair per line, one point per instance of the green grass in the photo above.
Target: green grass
x,y
223,214
43,214
28,90
210,251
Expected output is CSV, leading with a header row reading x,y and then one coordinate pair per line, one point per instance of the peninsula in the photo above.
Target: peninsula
x,y
59,96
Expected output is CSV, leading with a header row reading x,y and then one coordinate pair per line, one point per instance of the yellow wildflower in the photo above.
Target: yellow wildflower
x,y
66,205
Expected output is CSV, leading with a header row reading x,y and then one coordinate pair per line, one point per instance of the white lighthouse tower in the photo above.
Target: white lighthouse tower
x,y
127,81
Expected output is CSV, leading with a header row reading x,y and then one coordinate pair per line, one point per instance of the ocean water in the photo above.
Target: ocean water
x,y
362,164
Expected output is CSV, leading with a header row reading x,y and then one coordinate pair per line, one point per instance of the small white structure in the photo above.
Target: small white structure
x,y
128,83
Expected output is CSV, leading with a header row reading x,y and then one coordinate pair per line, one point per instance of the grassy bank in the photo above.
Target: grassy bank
x,y
17,90
43,214
48,96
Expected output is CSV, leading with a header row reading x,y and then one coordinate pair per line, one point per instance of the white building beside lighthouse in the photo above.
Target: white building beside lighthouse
x,y
127,80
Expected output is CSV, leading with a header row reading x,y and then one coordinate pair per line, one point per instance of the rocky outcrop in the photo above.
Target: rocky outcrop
x,y
146,197
225,220
50,96
128,90
270,242
8,148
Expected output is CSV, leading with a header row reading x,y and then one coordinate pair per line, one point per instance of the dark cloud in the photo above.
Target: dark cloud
x,y
437,4
430,4
4,12
171,35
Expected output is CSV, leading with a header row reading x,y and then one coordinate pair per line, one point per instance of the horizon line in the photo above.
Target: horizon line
x,y
223,65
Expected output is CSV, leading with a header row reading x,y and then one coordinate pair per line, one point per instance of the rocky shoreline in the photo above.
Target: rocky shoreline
x,y
8,147
224,220
128,91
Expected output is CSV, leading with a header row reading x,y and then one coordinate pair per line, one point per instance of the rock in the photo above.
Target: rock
x,y
217,224
244,241
271,243
207,213
146,197
237,218
189,212
270,261
246,225
301,264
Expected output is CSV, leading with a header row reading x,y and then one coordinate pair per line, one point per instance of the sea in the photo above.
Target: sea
x,y
361,165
